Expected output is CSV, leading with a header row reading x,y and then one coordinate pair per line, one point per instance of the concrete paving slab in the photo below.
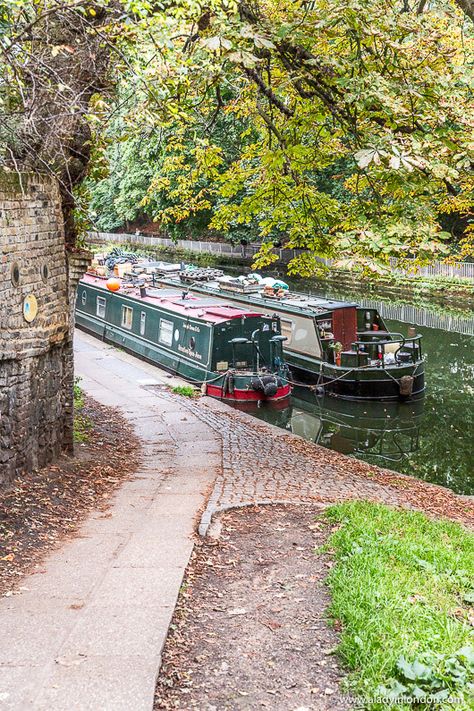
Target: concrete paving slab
x,y
101,631
28,635
25,686
99,683
86,632
136,586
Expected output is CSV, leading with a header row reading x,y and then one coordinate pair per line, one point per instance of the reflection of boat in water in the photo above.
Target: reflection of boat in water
x,y
387,431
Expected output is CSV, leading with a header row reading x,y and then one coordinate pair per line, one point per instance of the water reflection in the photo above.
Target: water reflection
x,y
388,432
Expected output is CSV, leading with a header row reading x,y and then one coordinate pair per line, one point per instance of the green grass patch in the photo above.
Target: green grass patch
x,y
403,588
186,390
82,423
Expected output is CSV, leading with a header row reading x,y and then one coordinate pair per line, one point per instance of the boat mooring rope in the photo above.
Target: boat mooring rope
x,y
320,384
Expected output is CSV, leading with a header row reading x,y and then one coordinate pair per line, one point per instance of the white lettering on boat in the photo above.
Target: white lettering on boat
x,y
189,352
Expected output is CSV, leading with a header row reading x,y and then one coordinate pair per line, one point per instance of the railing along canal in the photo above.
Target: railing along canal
x,y
398,312
461,269
407,313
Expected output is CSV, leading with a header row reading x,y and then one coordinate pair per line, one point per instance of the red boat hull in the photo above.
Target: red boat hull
x,y
241,395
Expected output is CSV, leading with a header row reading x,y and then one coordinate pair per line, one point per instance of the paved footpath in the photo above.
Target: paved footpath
x,y
87,630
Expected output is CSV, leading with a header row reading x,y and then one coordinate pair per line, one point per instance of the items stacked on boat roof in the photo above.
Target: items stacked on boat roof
x,y
190,273
122,264
234,352
338,347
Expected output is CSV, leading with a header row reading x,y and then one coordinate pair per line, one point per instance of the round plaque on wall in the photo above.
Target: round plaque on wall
x,y
30,307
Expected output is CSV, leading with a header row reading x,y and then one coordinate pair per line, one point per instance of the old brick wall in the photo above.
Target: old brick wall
x,y
36,364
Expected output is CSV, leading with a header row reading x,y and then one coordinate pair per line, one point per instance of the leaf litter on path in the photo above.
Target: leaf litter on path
x,y
239,642
38,510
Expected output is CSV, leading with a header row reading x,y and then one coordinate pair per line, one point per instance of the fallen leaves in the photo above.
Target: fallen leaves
x,y
39,509
272,625
247,629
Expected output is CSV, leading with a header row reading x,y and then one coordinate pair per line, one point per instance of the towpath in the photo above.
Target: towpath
x,y
86,632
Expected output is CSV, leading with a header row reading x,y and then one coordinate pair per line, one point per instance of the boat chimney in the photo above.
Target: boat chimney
x,y
142,291
411,331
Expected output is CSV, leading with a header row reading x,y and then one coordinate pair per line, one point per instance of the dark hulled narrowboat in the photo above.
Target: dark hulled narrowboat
x,y
342,349
235,352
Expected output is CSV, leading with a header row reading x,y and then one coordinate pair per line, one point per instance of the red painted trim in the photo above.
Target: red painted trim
x,y
247,395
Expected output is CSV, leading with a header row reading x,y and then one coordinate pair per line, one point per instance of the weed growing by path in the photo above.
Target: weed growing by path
x,y
186,390
403,591
82,424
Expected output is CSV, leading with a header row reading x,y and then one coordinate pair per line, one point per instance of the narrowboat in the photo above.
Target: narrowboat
x,y
233,352
344,350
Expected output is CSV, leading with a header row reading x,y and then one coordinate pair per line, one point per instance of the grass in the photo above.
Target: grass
x,y
82,424
402,589
186,390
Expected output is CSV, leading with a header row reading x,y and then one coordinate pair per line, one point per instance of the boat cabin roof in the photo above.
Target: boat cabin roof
x,y
179,302
294,301
317,304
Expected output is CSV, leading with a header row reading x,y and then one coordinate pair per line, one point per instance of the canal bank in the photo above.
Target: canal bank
x,y
89,625
429,438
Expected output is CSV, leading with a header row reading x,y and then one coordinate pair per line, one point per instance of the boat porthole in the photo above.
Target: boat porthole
x,y
83,298
176,335
44,272
15,274
192,343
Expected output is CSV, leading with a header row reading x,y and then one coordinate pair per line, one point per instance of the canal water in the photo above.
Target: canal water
x,y
432,438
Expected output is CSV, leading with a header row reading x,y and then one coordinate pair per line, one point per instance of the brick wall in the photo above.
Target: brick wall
x,y
36,364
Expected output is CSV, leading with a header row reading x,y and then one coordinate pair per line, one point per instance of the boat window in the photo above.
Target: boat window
x,y
142,323
166,332
100,306
192,343
127,316
286,330
83,298
325,328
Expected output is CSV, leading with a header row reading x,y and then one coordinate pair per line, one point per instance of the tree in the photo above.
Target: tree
x,y
371,96
383,90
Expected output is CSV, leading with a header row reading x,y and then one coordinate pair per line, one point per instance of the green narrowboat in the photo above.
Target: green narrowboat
x,y
342,349
234,352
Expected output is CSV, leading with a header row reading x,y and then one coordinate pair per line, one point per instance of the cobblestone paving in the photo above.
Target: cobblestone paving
x,y
263,465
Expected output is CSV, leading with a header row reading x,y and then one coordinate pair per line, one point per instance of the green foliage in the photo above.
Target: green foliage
x,y
78,394
138,173
82,423
402,587
350,125
340,128
185,390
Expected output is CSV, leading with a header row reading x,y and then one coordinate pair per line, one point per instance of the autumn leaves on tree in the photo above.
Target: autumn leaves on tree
x,y
343,129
